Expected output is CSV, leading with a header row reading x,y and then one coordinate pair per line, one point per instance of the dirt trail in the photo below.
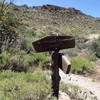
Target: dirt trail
x,y
83,82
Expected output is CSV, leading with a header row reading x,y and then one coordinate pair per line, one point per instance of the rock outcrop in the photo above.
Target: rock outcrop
x,y
59,9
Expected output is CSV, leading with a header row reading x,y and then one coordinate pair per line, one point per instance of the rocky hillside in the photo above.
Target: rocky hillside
x,y
58,19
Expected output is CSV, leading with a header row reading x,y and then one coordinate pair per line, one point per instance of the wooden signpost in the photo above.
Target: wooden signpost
x,y
55,43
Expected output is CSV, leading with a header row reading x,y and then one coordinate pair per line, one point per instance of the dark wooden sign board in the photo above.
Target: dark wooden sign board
x,y
54,43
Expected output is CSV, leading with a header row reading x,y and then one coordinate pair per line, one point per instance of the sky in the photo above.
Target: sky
x,y
90,7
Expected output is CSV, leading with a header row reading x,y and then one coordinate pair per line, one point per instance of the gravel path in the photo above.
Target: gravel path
x,y
83,82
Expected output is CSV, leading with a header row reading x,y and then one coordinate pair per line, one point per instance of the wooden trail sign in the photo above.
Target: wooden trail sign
x,y
55,43
52,43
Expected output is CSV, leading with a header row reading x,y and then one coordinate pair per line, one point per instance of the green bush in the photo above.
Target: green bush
x,y
21,86
81,65
21,61
25,39
26,45
92,57
40,58
16,62
4,59
95,47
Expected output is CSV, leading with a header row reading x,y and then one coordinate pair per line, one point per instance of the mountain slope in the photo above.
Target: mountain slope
x,y
59,19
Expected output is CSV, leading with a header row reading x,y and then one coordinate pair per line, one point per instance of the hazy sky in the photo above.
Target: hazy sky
x,y
90,7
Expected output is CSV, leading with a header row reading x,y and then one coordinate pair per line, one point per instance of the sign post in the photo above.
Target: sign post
x,y
55,43
55,73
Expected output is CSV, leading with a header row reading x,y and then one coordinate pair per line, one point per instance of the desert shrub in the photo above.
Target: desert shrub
x,y
91,57
72,52
95,47
8,33
81,65
4,60
71,90
25,39
21,86
15,61
21,61
8,24
81,42
41,58
67,87
26,45
25,32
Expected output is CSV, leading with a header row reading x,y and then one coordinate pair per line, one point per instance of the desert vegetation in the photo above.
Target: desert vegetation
x,y
22,75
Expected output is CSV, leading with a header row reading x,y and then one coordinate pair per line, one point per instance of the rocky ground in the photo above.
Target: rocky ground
x,y
92,87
